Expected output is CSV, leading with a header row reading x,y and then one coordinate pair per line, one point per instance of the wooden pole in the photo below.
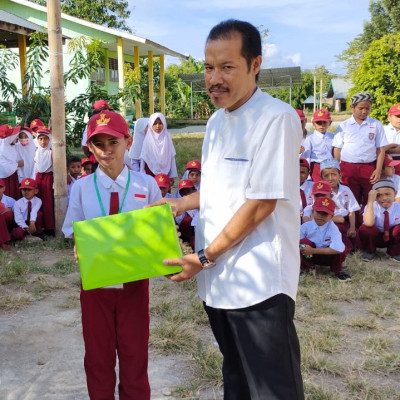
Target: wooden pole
x,y
22,61
138,104
315,93
121,78
151,83
162,84
320,95
57,112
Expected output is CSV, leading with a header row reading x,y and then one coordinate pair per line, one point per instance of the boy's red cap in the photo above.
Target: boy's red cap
x,y
301,115
194,164
389,162
324,204
321,187
109,123
8,130
101,105
394,110
43,130
186,183
86,160
304,163
36,123
322,115
2,184
28,183
163,180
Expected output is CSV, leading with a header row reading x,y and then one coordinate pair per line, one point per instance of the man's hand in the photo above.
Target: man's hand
x,y
190,264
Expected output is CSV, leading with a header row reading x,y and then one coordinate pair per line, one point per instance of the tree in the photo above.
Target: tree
x,y
111,13
378,74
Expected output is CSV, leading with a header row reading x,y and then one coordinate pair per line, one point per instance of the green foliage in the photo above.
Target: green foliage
x,y
378,74
8,62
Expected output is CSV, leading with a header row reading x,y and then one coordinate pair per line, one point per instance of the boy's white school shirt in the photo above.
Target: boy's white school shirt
x,y
8,201
345,201
307,188
21,211
394,215
359,142
84,204
327,235
318,147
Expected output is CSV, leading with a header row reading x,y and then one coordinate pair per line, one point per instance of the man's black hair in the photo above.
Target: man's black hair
x,y
251,38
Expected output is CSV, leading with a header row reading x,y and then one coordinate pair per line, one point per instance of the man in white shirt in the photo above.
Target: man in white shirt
x,y
392,132
247,231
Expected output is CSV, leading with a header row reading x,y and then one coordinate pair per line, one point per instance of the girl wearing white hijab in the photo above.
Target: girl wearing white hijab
x,y
26,151
44,177
139,134
158,152
9,160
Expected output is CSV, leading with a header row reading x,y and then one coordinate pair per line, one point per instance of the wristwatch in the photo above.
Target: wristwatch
x,y
205,262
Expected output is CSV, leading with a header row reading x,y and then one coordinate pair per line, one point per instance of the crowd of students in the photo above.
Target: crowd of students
x,y
349,187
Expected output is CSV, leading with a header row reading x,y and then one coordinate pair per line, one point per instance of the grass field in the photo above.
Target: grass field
x,y
349,331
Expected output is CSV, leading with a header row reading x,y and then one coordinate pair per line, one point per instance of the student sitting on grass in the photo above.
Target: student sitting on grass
x,y
321,241
164,183
381,227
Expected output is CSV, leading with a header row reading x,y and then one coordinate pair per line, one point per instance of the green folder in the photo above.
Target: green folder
x,y
126,247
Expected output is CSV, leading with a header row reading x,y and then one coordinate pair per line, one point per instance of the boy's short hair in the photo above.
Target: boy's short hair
x,y
322,115
330,163
383,183
359,97
304,163
72,159
324,204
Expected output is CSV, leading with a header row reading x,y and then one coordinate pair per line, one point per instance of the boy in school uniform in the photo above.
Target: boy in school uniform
x,y
164,183
305,185
381,227
27,216
193,172
359,145
4,232
321,242
318,189
74,167
392,132
114,320
318,146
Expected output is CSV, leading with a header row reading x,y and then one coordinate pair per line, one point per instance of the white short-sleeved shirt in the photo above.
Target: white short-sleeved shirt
x,y
21,210
251,153
307,188
327,235
84,204
318,147
345,201
359,142
8,201
394,215
392,136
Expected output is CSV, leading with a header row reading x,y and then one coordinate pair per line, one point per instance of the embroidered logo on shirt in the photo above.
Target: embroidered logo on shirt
x,y
103,120
371,135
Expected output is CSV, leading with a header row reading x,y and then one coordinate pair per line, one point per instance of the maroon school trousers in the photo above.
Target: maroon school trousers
x,y
4,233
116,322
371,238
335,261
19,233
45,183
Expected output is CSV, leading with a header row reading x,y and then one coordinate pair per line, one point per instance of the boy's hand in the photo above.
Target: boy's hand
x,y
32,227
301,149
376,175
69,179
372,196
307,250
351,233
190,264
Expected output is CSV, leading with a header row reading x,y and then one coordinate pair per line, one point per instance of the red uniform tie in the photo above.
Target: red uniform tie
x,y
386,226
303,198
114,203
28,218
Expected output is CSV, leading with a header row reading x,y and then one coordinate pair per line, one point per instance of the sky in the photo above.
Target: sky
x,y
304,33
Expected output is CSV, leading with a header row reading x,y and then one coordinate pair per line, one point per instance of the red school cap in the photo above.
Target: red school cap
x,y
2,184
194,164
86,161
109,123
322,115
321,187
28,183
324,204
43,131
394,110
101,105
304,163
163,180
186,183
8,130
36,123
301,115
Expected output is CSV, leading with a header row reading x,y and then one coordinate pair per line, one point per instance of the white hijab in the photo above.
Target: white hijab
x,y
43,157
8,156
26,153
138,138
158,150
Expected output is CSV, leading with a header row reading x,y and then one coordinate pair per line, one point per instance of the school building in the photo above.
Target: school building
x,y
19,18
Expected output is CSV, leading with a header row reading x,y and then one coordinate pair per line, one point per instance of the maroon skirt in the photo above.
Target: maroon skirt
x,y
45,182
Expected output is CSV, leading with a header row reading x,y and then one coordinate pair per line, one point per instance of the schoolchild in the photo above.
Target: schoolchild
x,y
392,132
26,152
4,232
193,172
34,126
114,320
44,177
381,227
305,185
87,166
158,152
319,189
359,145
346,203
321,242
74,168
186,221
9,160
27,216
389,172
139,133
8,202
303,122
318,146
164,184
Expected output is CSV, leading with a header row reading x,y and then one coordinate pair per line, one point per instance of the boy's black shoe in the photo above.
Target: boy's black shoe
x,y
343,276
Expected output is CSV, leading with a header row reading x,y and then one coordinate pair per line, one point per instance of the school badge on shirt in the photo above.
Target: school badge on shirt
x,y
371,135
